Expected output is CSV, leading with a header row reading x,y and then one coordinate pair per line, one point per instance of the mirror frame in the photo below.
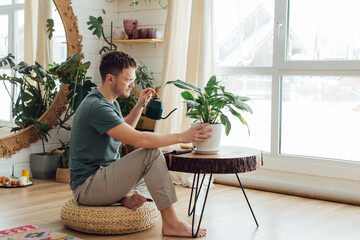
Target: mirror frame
x,y
11,144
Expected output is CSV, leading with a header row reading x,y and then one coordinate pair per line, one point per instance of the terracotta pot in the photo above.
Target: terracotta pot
x,y
129,26
63,175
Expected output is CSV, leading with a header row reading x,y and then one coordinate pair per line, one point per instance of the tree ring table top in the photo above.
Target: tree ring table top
x,y
229,159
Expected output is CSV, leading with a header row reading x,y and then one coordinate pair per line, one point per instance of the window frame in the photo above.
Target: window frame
x,y
325,167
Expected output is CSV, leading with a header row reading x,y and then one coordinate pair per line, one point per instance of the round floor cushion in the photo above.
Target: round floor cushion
x,y
108,219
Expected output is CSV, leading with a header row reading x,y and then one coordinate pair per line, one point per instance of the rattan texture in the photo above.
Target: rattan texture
x,y
108,219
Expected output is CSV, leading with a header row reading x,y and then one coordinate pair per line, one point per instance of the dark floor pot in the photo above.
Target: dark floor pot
x,y
44,166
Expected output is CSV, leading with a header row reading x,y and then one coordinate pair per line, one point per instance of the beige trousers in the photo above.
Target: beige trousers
x,y
110,184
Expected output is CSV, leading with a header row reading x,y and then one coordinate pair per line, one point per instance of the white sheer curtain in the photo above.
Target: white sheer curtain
x,y
37,44
188,56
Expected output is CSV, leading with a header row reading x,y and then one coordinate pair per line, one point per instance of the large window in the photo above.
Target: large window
x,y
299,61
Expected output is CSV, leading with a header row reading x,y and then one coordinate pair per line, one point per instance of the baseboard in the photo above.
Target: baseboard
x,y
309,186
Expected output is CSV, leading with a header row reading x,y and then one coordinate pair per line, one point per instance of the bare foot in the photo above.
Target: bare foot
x,y
133,201
180,229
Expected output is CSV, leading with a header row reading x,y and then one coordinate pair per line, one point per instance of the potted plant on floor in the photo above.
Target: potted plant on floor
x,y
62,172
43,165
211,106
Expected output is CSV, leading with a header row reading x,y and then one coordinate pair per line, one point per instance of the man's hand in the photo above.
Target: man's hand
x,y
196,134
145,96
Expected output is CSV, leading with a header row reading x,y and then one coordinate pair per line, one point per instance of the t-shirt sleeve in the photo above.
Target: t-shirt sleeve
x,y
104,116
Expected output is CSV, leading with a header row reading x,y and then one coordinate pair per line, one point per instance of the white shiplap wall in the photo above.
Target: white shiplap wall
x,y
151,15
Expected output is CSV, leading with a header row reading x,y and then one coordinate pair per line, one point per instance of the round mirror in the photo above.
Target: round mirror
x,y
15,142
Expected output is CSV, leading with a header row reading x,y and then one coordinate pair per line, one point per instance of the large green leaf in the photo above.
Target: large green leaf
x,y
187,95
243,106
7,60
212,81
225,121
50,28
184,85
96,24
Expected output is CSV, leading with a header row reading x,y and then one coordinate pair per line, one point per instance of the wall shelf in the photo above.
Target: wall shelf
x,y
133,41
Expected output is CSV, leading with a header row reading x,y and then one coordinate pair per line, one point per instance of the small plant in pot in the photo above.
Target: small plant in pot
x,y
43,165
62,172
211,106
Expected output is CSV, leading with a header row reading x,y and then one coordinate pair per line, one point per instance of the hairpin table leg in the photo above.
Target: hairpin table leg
x,y
247,200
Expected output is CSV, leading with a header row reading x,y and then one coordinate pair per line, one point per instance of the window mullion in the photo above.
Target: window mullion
x,y
280,26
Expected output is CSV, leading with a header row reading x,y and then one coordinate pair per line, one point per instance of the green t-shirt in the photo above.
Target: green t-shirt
x,y
90,146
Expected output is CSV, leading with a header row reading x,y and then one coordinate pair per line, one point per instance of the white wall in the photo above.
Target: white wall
x,y
151,15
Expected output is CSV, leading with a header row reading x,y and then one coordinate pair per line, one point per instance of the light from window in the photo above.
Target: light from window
x,y
5,2
19,35
323,30
4,39
244,33
258,88
5,106
321,116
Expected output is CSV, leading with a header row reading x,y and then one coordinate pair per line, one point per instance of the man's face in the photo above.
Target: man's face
x,y
124,82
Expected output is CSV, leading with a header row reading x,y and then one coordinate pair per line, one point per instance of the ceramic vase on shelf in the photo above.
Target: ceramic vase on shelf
x,y
151,33
130,25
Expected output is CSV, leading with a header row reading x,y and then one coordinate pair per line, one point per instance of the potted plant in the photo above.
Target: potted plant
x,y
96,25
62,172
43,165
211,106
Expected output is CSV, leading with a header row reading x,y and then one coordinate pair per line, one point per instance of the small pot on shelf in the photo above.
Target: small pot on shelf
x,y
129,26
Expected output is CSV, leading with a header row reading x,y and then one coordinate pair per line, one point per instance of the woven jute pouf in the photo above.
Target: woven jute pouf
x,y
108,219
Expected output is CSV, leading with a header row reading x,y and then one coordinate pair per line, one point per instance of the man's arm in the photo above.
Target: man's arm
x,y
133,117
127,134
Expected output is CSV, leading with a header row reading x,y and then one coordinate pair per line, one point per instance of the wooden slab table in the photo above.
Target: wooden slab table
x,y
229,160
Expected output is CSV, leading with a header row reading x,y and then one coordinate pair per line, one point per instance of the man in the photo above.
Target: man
x,y
98,175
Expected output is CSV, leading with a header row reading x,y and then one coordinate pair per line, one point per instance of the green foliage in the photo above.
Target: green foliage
x,y
50,28
32,98
210,105
144,77
43,131
73,72
96,24
136,3
64,150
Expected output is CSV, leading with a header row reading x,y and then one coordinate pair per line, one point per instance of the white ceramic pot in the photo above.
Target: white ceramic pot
x,y
213,143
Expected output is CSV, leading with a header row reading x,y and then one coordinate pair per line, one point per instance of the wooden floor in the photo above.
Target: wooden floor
x,y
226,215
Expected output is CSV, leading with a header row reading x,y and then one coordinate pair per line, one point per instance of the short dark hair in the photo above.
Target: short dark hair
x,y
114,62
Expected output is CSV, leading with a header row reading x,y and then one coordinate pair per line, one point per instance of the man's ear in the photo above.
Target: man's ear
x,y
109,78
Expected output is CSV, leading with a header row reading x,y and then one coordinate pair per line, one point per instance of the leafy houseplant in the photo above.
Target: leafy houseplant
x,y
43,165
62,172
211,104
96,24
33,98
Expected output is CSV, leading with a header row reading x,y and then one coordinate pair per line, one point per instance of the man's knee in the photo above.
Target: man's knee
x,y
154,154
